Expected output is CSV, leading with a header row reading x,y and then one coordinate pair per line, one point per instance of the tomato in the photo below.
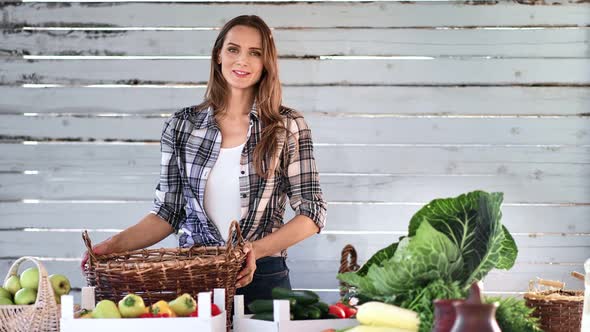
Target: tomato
x,y
215,310
146,315
348,311
194,313
337,311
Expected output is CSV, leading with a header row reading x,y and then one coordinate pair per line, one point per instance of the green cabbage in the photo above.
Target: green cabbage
x,y
453,241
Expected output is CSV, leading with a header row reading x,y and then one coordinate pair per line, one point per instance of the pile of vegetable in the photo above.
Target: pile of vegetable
x,y
451,243
303,304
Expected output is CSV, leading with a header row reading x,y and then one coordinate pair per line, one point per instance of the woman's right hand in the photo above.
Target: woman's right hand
x,y
103,248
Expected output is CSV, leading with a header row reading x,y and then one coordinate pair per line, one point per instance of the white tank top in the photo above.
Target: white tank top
x,y
222,189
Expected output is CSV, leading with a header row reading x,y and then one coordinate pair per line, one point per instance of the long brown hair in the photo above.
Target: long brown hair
x,y
268,92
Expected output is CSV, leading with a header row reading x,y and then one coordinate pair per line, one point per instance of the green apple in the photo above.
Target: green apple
x,y
183,305
131,306
60,284
25,296
106,309
5,294
12,284
57,298
5,301
30,278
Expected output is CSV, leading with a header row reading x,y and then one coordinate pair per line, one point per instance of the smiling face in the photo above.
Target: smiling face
x,y
241,58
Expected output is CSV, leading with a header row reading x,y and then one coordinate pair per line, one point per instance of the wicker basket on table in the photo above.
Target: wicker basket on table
x,y
348,263
43,315
559,310
165,273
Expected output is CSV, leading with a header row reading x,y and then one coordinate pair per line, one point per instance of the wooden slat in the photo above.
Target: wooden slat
x,y
403,100
324,14
554,189
327,129
549,42
322,274
542,249
144,159
304,72
362,216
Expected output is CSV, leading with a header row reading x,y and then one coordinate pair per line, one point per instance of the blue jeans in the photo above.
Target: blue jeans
x,y
270,272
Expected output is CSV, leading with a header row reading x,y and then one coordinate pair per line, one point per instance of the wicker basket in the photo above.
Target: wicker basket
x,y
348,263
558,310
41,316
163,274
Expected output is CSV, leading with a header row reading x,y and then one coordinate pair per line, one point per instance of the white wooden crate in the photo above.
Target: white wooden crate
x,y
205,322
282,321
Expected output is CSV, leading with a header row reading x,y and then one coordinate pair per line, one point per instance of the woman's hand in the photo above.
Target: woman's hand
x,y
247,274
103,248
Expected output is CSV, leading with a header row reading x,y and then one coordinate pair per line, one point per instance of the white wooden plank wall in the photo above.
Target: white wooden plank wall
x,y
408,101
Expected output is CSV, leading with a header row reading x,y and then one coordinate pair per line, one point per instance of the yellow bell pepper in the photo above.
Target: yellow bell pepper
x,y
162,308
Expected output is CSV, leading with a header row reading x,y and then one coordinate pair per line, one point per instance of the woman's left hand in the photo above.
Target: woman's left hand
x,y
247,274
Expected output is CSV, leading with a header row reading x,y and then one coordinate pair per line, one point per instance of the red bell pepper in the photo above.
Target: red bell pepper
x,y
214,311
337,311
348,311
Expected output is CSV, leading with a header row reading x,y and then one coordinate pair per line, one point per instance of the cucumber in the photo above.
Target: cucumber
x,y
313,312
323,306
269,316
259,306
303,297
299,312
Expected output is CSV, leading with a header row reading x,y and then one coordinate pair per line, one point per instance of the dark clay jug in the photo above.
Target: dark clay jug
x,y
474,315
444,314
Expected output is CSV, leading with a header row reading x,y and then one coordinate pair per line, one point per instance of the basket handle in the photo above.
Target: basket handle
x,y
88,244
546,282
44,283
234,227
577,275
348,261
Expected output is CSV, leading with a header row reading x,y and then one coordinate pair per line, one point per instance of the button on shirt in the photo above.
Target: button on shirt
x,y
190,146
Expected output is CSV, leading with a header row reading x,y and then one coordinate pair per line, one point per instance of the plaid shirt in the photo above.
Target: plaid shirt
x,y
190,145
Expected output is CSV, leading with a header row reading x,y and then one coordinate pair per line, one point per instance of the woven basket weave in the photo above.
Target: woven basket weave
x,y
165,273
558,310
43,315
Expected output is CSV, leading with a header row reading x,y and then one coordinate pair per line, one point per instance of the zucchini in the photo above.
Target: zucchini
x,y
313,312
303,297
299,312
387,315
259,306
323,306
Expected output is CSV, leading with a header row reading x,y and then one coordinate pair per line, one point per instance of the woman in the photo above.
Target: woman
x,y
236,156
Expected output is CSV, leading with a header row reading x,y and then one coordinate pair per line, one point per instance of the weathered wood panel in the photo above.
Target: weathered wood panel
x,y
320,14
342,216
518,218
144,159
345,100
337,187
533,43
304,72
403,151
328,129
540,249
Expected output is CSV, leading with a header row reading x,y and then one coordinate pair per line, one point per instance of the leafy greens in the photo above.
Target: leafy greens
x,y
451,243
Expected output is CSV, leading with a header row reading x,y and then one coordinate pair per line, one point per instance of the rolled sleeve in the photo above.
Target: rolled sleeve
x,y
169,201
304,191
